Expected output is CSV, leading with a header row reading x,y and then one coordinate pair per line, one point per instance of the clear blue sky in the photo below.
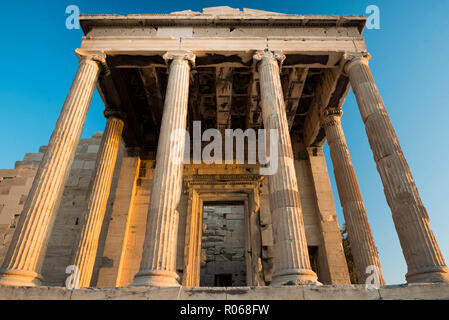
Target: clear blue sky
x,y
410,65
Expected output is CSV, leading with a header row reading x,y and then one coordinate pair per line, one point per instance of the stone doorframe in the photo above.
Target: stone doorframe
x,y
209,188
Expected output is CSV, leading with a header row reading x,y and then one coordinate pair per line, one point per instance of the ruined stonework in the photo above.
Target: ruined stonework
x,y
140,206
223,246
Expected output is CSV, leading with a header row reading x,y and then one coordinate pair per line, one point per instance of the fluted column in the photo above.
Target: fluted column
x,y
362,243
291,261
422,253
158,265
24,259
86,249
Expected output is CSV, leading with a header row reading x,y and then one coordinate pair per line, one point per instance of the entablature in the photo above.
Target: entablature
x,y
224,86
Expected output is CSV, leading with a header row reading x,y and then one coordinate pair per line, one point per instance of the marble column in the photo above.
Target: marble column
x,y
422,253
362,243
158,265
24,259
291,261
86,249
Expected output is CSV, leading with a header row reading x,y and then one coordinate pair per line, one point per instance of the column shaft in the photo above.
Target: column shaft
x,y
23,262
422,253
292,264
86,248
158,265
362,243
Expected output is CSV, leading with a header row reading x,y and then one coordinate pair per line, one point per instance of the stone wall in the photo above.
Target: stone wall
x,y
14,187
70,215
223,245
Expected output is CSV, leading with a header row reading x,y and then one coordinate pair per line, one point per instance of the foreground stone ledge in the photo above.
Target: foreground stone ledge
x,y
425,291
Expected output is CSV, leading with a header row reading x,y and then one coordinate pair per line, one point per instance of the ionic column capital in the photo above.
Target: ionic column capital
x,y
179,56
329,117
315,151
269,56
351,59
114,112
96,57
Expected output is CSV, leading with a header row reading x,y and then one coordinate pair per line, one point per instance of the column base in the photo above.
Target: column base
x,y
295,277
155,278
429,275
19,278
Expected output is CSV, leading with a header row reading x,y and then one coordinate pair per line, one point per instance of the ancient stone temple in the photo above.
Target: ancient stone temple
x,y
118,210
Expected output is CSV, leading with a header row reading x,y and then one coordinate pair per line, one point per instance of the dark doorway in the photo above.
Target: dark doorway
x,y
313,257
223,280
223,245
